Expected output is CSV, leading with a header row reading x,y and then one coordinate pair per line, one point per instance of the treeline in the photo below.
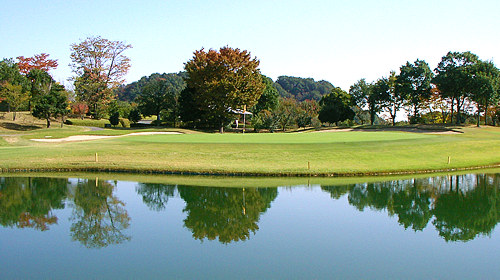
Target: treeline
x,y
218,87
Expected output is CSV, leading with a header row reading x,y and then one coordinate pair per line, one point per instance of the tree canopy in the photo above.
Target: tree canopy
x,y
100,66
221,81
336,106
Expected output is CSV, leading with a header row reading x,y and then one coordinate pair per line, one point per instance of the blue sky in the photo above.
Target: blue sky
x,y
338,41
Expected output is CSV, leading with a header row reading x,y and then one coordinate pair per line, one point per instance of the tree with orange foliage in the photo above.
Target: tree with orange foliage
x,y
38,61
222,80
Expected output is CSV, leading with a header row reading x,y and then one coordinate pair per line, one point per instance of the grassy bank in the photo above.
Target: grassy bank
x,y
323,153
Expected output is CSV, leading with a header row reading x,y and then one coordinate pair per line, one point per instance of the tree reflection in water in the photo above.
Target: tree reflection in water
x,y
100,217
463,206
229,214
460,207
28,202
155,196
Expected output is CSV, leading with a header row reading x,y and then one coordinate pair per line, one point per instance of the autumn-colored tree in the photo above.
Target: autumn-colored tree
x,y
79,108
220,81
100,66
38,61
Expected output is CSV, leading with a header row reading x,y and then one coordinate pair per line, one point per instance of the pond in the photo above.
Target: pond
x,y
439,227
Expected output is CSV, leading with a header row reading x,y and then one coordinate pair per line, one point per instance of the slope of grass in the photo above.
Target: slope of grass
x,y
325,153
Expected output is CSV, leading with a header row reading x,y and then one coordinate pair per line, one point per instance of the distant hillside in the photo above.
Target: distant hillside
x,y
302,88
130,91
298,88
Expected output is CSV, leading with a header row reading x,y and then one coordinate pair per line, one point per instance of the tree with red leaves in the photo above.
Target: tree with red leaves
x,y
38,61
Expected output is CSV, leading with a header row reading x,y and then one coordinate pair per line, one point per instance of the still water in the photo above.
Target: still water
x,y
441,227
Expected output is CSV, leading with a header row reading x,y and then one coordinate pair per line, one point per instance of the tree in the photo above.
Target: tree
x,y
91,88
220,81
38,61
114,118
287,112
486,90
308,113
14,87
390,100
336,106
134,115
363,95
414,84
41,83
52,105
14,96
100,66
154,97
175,81
269,99
454,78
79,108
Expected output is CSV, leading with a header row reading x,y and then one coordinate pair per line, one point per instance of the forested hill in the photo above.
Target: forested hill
x,y
302,88
130,91
298,88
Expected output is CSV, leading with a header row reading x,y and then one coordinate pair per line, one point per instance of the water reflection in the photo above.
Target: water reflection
x,y
28,202
459,207
463,206
228,214
99,216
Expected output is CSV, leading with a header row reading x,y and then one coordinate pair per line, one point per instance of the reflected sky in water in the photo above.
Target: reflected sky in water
x,y
437,227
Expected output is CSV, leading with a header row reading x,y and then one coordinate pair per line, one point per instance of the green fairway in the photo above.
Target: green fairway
x,y
280,138
320,153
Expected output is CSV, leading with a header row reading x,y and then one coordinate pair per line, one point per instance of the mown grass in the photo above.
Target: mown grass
x,y
241,181
326,153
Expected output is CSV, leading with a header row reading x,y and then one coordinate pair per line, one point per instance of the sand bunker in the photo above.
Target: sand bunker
x,y
75,138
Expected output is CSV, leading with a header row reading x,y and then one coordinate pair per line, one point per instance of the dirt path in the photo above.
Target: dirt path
x,y
75,138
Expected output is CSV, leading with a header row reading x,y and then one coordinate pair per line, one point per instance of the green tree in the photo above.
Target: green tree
x,y
220,81
454,78
414,84
14,95
269,99
134,115
14,87
390,100
486,89
336,107
369,95
156,96
52,105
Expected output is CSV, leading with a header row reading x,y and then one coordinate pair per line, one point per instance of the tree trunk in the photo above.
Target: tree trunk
x,y
221,129
394,116
452,104
13,115
48,122
486,114
478,116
